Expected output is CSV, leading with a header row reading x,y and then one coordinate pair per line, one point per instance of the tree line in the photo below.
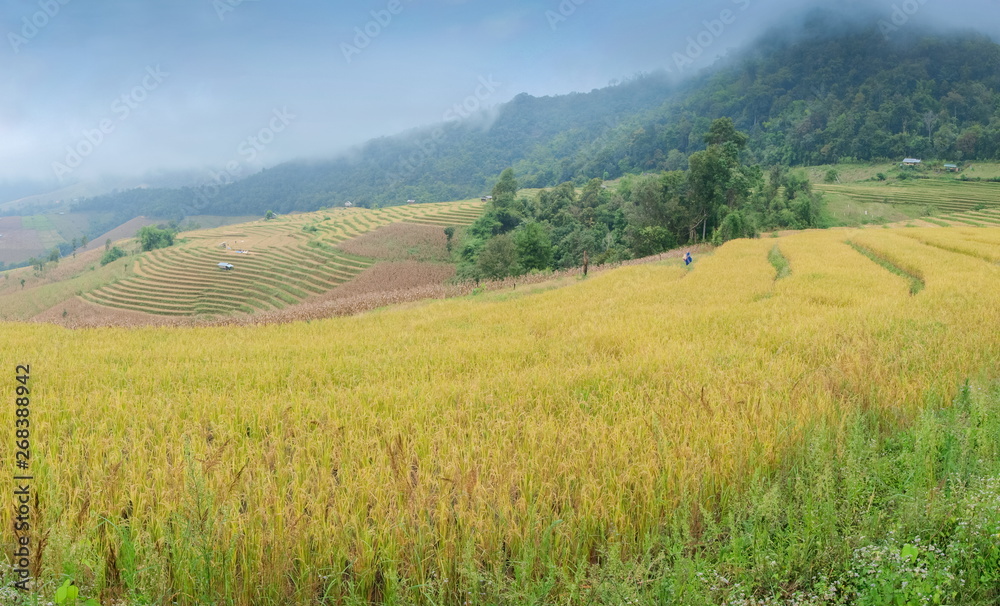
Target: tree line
x,y
720,198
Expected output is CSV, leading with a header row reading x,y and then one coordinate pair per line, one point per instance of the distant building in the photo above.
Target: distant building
x,y
411,201
952,168
348,204
912,162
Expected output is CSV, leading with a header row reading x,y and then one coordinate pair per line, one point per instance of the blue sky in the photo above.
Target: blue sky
x,y
97,87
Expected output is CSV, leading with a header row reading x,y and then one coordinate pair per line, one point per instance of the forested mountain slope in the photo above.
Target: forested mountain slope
x,y
820,98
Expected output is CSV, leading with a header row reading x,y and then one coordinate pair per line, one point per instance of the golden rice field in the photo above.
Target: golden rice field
x,y
372,458
277,263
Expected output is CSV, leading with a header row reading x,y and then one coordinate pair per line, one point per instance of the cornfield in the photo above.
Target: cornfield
x,y
371,458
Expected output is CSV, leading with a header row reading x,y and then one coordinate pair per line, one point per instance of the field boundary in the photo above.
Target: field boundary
x,y
917,283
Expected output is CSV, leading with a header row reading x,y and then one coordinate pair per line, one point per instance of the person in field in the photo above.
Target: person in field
x,y
687,258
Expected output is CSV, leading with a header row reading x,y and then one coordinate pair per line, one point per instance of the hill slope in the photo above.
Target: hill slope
x,y
571,445
824,98
277,265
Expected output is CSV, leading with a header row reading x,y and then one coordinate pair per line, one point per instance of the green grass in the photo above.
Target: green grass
x,y
779,262
937,222
38,223
916,282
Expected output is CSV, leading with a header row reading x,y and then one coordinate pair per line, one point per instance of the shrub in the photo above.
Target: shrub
x,y
153,238
112,255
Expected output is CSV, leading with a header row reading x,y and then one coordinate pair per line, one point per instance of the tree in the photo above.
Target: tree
x,y
652,240
498,258
930,119
506,188
723,131
717,178
449,232
269,215
735,225
154,238
112,255
534,246
54,255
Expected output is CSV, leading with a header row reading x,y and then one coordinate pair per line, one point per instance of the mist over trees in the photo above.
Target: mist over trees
x,y
823,99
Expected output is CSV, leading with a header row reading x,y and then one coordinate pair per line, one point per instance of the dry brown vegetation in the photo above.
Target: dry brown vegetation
x,y
399,242
17,243
123,231
379,286
77,313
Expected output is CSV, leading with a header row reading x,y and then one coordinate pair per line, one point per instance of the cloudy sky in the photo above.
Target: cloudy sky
x,y
122,87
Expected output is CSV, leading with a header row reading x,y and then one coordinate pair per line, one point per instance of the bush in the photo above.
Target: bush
x,y
112,255
153,238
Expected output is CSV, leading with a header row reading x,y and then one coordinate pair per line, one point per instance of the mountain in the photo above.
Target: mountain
x,y
823,95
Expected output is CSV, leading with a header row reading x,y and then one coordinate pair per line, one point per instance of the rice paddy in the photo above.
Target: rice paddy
x,y
276,263
464,451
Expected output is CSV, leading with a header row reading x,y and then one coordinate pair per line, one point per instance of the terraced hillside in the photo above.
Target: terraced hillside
x,y
986,217
565,446
946,196
275,263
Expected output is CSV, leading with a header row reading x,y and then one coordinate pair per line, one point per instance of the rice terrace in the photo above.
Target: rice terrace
x,y
722,332
587,452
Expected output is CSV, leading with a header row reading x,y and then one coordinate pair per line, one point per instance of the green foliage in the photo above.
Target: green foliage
x,y
534,247
112,255
498,258
719,197
506,187
780,263
269,215
917,283
817,100
652,240
735,225
154,238
832,176
449,233
68,594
